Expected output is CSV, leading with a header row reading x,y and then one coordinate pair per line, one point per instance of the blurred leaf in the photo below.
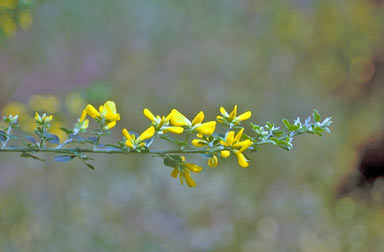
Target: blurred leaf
x,y
64,158
29,155
31,139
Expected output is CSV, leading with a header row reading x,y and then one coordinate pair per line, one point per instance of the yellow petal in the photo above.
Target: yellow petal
x,y
207,128
229,138
110,125
238,135
110,106
189,180
212,162
148,133
101,109
168,117
193,167
148,114
85,124
129,143
244,116
241,159
174,129
112,116
83,115
125,133
232,115
246,146
91,111
223,111
37,117
219,119
49,118
199,143
178,119
181,176
225,153
182,158
175,172
198,118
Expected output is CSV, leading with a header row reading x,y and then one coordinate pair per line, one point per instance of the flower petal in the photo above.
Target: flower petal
x,y
148,133
85,124
223,111
220,119
91,111
110,125
110,106
244,116
193,167
232,115
83,115
207,128
125,133
148,114
129,143
229,138
189,180
243,162
238,135
198,118
174,129
178,119
199,143
37,117
242,143
175,172
225,153
213,161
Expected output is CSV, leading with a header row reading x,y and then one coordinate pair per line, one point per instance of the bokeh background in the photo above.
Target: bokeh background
x,y
277,58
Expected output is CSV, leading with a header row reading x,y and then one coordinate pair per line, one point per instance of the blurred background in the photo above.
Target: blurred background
x,y
277,58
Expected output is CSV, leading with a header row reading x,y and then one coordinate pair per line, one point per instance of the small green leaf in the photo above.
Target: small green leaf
x,y
286,123
169,162
29,155
316,115
64,158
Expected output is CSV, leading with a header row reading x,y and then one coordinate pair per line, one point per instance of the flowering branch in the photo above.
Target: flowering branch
x,y
208,143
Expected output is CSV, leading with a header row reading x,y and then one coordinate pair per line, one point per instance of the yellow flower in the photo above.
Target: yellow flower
x,y
183,170
232,117
43,119
213,161
233,142
161,124
48,103
82,123
136,143
207,128
107,114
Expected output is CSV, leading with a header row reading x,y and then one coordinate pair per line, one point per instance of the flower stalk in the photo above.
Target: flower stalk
x,y
209,143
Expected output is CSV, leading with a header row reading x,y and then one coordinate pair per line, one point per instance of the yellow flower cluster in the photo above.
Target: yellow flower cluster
x,y
106,114
183,170
215,146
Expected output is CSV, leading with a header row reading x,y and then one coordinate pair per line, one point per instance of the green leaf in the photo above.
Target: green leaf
x,y
53,138
316,116
169,162
286,123
68,131
64,158
29,155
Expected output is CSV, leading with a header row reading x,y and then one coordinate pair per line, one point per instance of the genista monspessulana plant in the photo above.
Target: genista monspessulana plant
x,y
200,137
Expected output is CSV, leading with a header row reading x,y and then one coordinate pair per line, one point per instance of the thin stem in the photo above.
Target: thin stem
x,y
99,151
